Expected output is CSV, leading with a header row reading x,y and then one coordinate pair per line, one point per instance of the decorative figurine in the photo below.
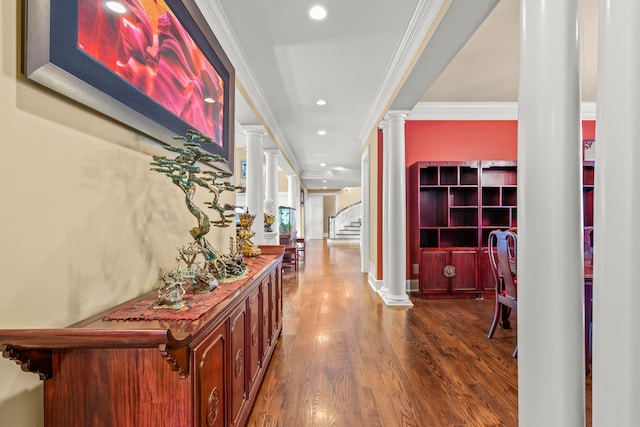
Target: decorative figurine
x,y
249,249
185,173
269,215
269,219
172,290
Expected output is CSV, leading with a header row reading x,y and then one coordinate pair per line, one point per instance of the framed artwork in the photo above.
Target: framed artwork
x,y
301,197
154,65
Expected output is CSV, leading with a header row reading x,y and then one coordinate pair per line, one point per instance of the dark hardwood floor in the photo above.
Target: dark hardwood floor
x,y
346,359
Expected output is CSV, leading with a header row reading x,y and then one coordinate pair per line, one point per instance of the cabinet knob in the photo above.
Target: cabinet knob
x,y
449,271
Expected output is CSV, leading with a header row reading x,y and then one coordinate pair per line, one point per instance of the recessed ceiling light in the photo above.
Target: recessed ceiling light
x,y
324,180
322,132
324,188
323,164
210,100
321,102
116,6
318,13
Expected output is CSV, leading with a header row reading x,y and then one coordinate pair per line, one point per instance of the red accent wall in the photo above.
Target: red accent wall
x,y
442,140
436,140
588,129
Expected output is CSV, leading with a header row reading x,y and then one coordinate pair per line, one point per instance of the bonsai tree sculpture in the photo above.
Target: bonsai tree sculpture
x,y
188,176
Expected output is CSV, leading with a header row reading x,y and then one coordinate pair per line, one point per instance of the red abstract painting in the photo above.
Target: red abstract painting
x,y
149,48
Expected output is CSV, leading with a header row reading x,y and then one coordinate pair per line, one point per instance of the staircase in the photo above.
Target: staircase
x,y
344,228
350,231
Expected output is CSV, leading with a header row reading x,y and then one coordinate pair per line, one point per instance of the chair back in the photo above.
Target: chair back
x,y
503,246
588,242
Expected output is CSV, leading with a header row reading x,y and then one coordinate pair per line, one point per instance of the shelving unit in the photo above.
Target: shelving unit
x,y
453,206
588,178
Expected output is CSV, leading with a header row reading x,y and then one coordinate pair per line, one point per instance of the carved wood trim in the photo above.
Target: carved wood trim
x,y
178,359
177,353
38,361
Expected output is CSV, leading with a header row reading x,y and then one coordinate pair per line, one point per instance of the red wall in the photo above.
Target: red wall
x,y
437,140
461,140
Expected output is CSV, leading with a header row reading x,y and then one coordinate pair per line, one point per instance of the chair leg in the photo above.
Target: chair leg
x,y
496,316
506,313
515,351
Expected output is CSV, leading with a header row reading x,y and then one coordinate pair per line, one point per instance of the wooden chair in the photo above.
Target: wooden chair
x,y
300,243
502,256
290,258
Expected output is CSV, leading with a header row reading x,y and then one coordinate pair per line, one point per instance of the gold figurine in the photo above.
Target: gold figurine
x,y
249,249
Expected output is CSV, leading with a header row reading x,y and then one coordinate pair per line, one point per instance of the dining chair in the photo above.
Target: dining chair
x,y
503,246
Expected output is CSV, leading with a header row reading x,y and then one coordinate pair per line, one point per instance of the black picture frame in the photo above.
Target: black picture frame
x,y
54,59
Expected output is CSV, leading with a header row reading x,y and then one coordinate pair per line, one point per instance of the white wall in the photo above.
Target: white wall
x,y
84,223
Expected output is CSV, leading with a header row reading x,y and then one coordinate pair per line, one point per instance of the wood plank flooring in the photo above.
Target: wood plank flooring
x,y
346,359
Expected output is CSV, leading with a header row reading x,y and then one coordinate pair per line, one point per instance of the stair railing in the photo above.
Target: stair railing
x,y
344,217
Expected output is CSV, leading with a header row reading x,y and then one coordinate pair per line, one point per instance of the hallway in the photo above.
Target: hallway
x,y
346,359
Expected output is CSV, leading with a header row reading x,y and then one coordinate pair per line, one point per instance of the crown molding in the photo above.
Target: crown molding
x,y
479,111
421,20
245,76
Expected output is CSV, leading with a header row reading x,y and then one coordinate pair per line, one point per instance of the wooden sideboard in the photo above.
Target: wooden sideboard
x,y
138,373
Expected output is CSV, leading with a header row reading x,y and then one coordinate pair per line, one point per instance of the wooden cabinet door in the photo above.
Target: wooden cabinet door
x,y
264,302
254,357
432,279
239,391
486,281
276,277
211,376
448,272
465,262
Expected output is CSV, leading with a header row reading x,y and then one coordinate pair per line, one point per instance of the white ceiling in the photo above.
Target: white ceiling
x,y
366,57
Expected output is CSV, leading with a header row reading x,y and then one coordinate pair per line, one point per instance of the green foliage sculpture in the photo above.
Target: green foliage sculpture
x,y
184,171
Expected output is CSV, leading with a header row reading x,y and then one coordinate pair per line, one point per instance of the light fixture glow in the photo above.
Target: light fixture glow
x,y
321,102
116,6
324,188
322,132
210,100
323,164
324,180
318,13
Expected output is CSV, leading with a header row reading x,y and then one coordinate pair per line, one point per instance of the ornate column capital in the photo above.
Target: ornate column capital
x,y
254,130
395,115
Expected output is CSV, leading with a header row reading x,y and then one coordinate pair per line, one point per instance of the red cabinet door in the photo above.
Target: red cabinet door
x,y
465,262
211,378
448,273
432,279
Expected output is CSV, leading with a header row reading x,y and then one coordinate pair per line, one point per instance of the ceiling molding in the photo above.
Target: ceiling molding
x,y
479,111
245,76
464,111
421,20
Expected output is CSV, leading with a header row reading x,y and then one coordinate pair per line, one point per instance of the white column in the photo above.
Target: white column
x,y
616,291
271,155
395,275
255,186
382,216
293,192
551,369
293,199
